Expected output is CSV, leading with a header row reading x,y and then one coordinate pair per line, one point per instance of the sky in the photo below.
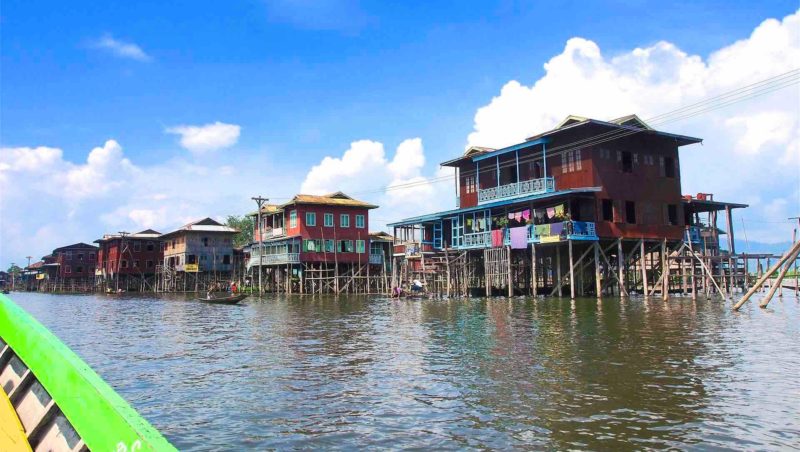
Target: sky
x,y
132,115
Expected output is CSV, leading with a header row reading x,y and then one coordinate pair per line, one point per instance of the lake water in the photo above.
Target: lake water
x,y
356,371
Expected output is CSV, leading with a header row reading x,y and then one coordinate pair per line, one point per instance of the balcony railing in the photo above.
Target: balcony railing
x,y
477,240
555,232
528,187
275,259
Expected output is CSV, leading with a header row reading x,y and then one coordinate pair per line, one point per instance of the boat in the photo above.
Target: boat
x,y
233,299
6,291
52,400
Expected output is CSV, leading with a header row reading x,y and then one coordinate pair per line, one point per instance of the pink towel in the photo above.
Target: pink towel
x,y
497,238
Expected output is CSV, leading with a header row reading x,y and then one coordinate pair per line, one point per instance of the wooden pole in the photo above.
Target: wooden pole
x,y
534,282
796,286
558,268
571,271
597,282
787,264
792,252
621,269
644,268
510,281
664,271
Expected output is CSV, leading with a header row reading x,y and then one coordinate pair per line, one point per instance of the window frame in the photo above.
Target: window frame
x,y
293,218
342,218
313,217
363,221
325,217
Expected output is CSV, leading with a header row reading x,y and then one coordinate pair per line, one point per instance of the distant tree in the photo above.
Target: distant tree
x,y
244,224
14,269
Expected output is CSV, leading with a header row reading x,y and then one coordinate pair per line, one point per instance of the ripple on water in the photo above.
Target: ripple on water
x,y
294,372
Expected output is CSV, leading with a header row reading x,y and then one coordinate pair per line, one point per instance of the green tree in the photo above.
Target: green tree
x,y
244,224
14,269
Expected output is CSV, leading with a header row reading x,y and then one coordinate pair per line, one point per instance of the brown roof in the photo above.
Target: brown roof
x,y
204,225
382,236
331,199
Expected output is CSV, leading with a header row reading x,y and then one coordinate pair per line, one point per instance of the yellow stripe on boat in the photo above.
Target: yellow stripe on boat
x,y
12,435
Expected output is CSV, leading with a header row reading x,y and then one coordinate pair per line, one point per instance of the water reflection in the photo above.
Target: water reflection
x,y
355,371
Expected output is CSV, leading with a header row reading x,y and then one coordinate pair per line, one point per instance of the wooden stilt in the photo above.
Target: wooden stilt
x,y
558,268
571,271
623,292
598,284
643,261
787,264
792,252
510,279
664,271
534,281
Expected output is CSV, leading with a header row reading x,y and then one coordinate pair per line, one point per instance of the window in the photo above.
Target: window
x,y
328,218
344,220
68,255
226,259
137,246
329,245
570,161
672,214
79,269
67,269
360,246
149,264
311,219
630,212
669,167
173,244
205,241
150,246
627,162
293,219
123,264
312,245
91,256
359,221
578,159
345,246
564,168
635,159
608,210
469,184
136,264
191,259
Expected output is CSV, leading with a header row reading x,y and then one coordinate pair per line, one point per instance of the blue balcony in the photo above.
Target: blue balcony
x,y
516,189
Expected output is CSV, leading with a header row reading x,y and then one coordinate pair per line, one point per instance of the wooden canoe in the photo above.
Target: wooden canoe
x,y
233,299
60,403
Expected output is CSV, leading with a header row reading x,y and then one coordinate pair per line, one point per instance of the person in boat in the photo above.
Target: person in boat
x,y
417,285
233,288
397,292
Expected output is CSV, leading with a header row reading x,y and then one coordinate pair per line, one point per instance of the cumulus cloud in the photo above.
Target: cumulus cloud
x,y
209,137
121,49
397,184
742,142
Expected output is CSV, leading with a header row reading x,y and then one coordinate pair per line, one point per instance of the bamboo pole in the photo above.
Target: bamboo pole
x,y
643,262
786,265
664,271
792,252
623,292
510,281
597,282
534,282
558,268
571,272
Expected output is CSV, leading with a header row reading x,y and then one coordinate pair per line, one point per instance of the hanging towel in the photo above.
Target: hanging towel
x,y
526,214
497,238
519,238
510,215
551,212
560,210
556,228
518,216
541,230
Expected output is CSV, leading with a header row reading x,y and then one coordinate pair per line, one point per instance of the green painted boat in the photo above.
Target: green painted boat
x,y
60,402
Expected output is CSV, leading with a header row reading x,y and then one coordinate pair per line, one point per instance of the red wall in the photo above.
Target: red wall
x,y
87,264
337,232
108,256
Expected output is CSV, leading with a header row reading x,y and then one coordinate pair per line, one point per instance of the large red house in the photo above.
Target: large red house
x,y
129,255
312,232
76,261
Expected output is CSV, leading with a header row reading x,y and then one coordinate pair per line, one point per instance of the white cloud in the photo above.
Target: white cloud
x,y
750,146
122,49
209,137
397,185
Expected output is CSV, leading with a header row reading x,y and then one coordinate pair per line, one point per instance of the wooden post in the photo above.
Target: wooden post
x,y
558,268
486,272
792,252
534,282
796,286
621,269
510,279
787,264
664,271
597,282
447,261
571,271
644,268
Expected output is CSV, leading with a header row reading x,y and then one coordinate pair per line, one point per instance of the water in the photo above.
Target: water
x,y
310,372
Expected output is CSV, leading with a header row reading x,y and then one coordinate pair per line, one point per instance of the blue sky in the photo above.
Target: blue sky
x,y
303,80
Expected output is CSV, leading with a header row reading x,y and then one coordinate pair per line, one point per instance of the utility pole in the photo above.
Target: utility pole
x,y
13,275
260,201
27,273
